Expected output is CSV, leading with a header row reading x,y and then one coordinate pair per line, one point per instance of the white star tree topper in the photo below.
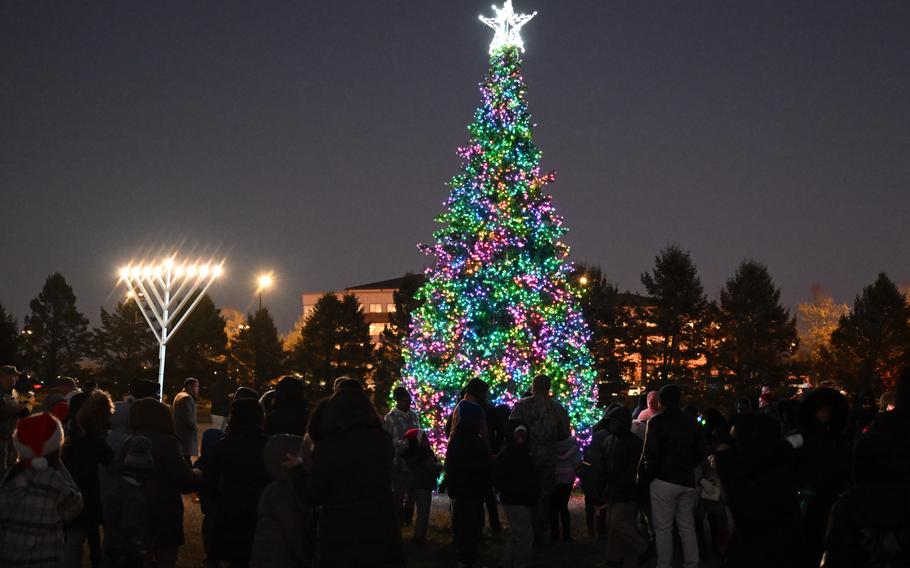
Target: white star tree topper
x,y
507,25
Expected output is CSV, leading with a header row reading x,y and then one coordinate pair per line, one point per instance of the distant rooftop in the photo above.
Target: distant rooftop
x,y
392,284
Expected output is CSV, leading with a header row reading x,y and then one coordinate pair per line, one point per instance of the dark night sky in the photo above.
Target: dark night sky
x,y
316,138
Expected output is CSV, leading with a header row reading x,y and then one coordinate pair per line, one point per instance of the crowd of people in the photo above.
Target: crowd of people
x,y
787,482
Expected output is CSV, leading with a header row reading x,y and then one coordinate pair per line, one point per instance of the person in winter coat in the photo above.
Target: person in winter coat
x,y
37,496
83,452
185,423
895,424
467,480
567,461
236,479
861,416
589,473
351,479
822,463
760,491
515,478
653,408
424,468
170,477
206,495
400,420
127,535
674,446
548,423
220,394
285,535
290,412
870,523
618,491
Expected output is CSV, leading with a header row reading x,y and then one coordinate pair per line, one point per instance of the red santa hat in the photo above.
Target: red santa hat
x,y
61,410
38,436
413,434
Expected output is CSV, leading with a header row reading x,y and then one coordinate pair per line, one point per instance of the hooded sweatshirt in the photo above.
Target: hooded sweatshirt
x,y
285,535
567,459
513,471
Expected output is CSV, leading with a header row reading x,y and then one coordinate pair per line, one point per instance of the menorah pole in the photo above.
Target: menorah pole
x,y
163,347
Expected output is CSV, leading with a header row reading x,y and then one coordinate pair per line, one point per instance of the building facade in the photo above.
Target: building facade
x,y
376,298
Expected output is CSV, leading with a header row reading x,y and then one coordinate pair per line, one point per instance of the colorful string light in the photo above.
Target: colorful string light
x,y
498,302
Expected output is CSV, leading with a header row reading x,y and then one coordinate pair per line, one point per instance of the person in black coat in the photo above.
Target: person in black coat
x,y
170,477
351,480
755,471
467,479
822,463
290,413
515,478
895,424
84,450
618,489
870,523
235,480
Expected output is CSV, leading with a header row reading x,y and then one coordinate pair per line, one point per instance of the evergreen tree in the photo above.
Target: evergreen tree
x,y
815,322
612,323
56,336
498,302
198,349
257,349
677,319
389,359
758,333
9,338
124,346
872,342
334,342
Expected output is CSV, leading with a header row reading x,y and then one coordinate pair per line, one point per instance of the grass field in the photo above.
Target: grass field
x,y
438,550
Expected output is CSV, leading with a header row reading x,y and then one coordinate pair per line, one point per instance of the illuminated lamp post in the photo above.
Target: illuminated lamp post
x,y
166,292
264,281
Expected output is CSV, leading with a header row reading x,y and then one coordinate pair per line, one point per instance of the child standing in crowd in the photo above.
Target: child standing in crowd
x,y
37,496
515,478
206,497
127,538
567,462
285,536
425,468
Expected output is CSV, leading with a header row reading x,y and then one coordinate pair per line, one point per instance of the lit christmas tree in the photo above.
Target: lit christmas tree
x,y
498,303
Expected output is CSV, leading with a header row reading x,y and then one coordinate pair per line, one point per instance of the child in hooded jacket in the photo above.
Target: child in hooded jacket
x,y
285,535
515,477
568,459
127,538
425,469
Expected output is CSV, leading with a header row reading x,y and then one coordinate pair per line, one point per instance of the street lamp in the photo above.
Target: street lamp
x,y
166,292
265,280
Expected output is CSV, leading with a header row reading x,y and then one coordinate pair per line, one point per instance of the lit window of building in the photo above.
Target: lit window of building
x,y
390,308
375,308
376,329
